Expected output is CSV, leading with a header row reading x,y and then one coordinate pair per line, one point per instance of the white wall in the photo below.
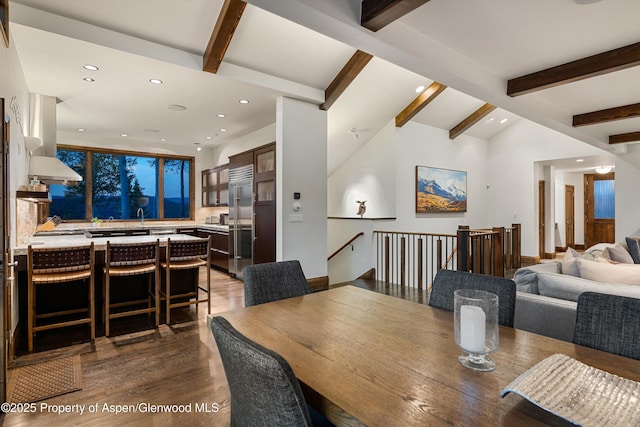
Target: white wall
x,y
13,89
627,200
392,156
369,175
502,177
301,159
513,176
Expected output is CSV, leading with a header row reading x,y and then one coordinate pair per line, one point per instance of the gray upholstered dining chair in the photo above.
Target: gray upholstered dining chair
x,y
274,281
447,282
609,323
264,389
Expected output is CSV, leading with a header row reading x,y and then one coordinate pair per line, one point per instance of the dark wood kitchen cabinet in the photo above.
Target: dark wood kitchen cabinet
x,y
263,160
219,248
264,208
215,186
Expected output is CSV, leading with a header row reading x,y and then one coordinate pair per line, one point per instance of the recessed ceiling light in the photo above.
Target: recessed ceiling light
x,y
419,89
124,134
163,139
198,147
208,137
489,120
221,116
80,130
579,160
503,121
223,130
89,79
90,67
155,81
244,101
176,107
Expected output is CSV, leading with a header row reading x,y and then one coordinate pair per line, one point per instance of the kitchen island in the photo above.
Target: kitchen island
x,y
67,235
71,234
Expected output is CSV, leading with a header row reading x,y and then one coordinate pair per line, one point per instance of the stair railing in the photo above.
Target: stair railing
x,y
345,245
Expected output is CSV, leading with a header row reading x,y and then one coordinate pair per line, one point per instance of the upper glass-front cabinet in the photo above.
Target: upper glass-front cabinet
x,y
265,177
215,186
266,161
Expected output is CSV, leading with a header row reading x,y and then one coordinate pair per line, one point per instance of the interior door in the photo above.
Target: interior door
x,y
5,269
541,226
599,209
569,213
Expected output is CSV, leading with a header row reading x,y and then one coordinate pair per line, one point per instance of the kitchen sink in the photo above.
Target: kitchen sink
x,y
115,233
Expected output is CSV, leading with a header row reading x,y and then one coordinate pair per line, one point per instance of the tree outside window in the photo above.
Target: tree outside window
x,y
122,184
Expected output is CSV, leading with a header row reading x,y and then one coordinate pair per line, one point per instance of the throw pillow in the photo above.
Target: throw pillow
x,y
618,254
596,251
569,265
624,274
633,243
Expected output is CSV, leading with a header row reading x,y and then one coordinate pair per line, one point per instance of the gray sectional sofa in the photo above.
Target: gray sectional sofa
x,y
546,297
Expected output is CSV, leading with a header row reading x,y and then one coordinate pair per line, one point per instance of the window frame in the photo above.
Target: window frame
x,y
160,196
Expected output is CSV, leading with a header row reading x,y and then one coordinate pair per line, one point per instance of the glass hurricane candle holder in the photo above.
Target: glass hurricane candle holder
x,y
476,327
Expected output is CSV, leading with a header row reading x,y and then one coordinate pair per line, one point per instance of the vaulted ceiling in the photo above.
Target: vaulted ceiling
x,y
568,66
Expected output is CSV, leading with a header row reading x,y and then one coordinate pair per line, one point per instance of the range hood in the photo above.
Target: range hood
x,y
44,165
50,170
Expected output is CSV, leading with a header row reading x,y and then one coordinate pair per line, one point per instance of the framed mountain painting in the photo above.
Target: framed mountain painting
x,y
440,190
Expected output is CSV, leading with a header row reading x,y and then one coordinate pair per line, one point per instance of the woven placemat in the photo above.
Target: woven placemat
x,y
43,380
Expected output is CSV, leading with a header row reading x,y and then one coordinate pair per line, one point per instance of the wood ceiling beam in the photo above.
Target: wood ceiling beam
x,y
471,120
624,137
379,13
343,79
222,34
608,115
428,95
591,66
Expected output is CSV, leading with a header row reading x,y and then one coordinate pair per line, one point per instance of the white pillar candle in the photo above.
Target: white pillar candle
x,y
472,328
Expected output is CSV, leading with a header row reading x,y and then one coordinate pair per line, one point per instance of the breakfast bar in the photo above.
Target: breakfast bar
x,y
52,298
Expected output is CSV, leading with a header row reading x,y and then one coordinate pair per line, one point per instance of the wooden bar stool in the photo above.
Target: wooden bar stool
x,y
48,266
132,259
183,255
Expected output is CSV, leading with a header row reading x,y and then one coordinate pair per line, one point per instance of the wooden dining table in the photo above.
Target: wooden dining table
x,y
364,358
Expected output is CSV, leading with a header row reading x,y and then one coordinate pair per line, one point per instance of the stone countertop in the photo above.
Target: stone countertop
x,y
66,235
80,227
100,243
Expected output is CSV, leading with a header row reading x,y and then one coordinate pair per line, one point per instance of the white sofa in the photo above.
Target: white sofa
x,y
547,293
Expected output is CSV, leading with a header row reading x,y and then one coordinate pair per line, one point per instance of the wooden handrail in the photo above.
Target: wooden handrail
x,y
345,245
410,233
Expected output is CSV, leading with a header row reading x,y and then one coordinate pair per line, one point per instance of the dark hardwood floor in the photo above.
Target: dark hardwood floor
x,y
174,365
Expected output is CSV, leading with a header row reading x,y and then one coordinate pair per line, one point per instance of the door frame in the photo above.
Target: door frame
x,y
589,221
541,218
5,246
569,216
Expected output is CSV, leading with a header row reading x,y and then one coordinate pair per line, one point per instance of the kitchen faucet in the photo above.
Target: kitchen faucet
x,y
140,213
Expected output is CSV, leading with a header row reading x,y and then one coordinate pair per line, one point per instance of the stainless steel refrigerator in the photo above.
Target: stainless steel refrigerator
x,y
240,219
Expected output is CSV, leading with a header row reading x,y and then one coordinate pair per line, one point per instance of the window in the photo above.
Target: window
x,y
176,188
604,206
68,201
123,186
